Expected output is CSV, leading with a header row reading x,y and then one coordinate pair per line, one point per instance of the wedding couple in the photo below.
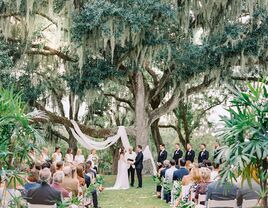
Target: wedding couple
x,y
129,162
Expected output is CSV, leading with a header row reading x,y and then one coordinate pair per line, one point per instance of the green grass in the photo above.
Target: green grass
x,y
132,198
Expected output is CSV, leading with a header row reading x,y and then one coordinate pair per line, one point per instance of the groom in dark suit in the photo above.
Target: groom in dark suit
x,y
139,165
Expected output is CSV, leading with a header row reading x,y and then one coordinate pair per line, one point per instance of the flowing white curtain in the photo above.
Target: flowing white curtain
x,y
91,143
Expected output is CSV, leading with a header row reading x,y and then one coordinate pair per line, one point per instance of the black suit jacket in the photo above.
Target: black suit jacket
x,y
45,195
189,155
177,155
162,157
139,161
203,157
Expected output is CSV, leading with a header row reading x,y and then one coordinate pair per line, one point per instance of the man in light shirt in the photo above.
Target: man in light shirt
x,y
131,155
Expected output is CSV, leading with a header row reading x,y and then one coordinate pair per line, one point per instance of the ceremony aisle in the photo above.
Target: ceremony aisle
x,y
132,198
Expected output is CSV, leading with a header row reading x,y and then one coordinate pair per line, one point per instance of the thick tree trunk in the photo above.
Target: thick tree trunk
x,y
156,134
141,115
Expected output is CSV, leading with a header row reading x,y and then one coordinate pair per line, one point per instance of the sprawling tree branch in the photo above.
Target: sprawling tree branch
x,y
173,102
97,133
48,51
121,100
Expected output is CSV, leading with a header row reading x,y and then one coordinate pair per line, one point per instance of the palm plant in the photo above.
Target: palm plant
x,y
17,137
245,137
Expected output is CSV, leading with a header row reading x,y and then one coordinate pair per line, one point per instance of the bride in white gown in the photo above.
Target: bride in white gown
x,y
122,172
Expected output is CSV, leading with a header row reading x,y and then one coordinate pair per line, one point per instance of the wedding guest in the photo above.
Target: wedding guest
x,y
190,154
59,166
159,187
57,156
217,191
57,184
177,153
45,194
131,155
44,156
162,155
80,175
169,179
69,158
69,183
166,166
79,157
89,174
32,180
181,172
247,192
201,187
94,158
215,171
203,154
189,183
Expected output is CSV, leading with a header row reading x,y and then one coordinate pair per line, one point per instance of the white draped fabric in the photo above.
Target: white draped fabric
x,y
91,143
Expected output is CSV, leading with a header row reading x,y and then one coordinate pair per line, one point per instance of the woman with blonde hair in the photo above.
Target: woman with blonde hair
x,y
94,158
201,187
188,183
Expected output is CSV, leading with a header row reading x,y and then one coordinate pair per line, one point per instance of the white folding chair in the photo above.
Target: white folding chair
x,y
201,198
41,206
250,203
222,203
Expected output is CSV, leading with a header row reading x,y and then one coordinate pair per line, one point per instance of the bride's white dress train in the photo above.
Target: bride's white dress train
x,y
122,174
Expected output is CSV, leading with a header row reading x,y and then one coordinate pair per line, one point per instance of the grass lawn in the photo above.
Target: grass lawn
x,y
132,198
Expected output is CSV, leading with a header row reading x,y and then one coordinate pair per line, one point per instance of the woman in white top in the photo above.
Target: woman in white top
x,y
69,158
79,158
57,156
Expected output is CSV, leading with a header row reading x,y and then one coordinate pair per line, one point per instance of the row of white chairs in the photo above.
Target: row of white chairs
x,y
226,203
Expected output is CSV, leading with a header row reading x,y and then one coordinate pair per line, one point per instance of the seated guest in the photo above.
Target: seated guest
x,y
59,166
57,184
182,171
189,183
169,178
201,187
215,171
169,172
79,158
45,194
217,191
159,187
69,158
32,181
80,175
246,192
70,183
89,173
166,166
